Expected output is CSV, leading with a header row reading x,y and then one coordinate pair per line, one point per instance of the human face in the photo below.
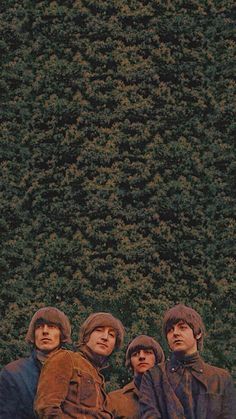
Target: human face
x,y
102,340
142,360
181,338
47,337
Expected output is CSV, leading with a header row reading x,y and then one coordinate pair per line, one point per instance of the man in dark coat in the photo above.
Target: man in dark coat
x,y
142,353
185,387
48,330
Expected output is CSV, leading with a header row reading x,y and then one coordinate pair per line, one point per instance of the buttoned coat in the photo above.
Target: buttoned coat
x,y
215,400
124,403
70,387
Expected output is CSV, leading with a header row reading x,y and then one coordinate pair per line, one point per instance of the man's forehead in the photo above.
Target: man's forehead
x,y
141,348
110,328
45,321
180,322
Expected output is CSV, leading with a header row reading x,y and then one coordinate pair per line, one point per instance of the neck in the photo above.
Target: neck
x,y
43,356
99,361
184,355
187,359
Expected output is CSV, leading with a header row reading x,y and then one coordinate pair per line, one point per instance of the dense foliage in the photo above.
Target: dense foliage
x,y
118,165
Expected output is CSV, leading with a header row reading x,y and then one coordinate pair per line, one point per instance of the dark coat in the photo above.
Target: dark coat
x,y
18,384
215,398
124,403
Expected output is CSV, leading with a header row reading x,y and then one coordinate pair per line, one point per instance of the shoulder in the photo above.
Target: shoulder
x,y
211,370
129,387
19,365
61,359
59,355
21,375
126,389
123,403
66,359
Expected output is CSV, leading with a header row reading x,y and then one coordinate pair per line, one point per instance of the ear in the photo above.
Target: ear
x,y
199,336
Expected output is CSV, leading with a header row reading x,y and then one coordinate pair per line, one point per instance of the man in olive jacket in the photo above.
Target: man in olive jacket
x,y
142,353
71,384
48,330
185,387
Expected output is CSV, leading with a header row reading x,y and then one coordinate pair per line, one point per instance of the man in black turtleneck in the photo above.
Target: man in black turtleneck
x,y
185,387
71,384
48,330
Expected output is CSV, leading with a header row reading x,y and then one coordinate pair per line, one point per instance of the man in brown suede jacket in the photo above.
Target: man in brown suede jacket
x,y
142,353
71,385
185,387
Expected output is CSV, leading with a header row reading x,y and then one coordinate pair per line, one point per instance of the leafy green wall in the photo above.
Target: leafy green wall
x,y
118,166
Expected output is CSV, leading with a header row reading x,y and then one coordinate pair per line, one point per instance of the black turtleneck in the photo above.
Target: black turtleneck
x,y
185,360
99,361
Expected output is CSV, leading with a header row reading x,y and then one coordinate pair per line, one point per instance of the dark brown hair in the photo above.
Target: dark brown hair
x,y
189,316
101,319
50,315
144,342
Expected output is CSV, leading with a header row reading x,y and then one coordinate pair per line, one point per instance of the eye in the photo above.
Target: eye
x,y
38,326
183,326
134,354
112,332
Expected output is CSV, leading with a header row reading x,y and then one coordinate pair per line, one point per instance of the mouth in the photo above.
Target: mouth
x,y
143,364
103,345
45,340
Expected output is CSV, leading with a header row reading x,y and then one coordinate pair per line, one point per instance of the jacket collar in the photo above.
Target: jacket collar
x,y
96,360
130,387
193,362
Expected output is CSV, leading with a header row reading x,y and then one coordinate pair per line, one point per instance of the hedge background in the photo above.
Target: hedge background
x,y
118,166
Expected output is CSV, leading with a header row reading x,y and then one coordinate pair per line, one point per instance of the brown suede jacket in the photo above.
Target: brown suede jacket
x,y
70,387
123,403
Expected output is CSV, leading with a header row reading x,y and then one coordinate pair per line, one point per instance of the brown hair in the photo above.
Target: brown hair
x,y
144,342
189,316
98,320
50,315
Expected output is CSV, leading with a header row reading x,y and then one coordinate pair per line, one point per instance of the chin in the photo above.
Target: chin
x,y
47,349
44,350
106,353
178,348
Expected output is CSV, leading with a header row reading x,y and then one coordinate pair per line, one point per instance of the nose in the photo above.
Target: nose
x,y
45,329
175,331
104,335
141,354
